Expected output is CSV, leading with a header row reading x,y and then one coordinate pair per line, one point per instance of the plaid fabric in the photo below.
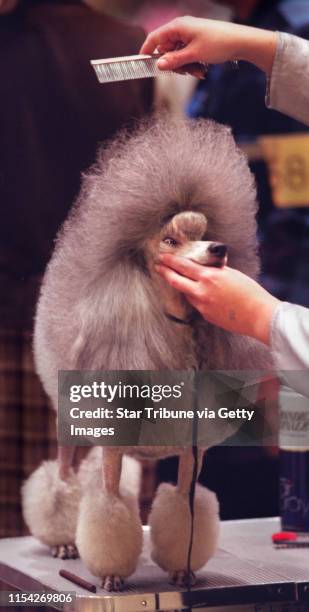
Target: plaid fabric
x,y
28,431
27,425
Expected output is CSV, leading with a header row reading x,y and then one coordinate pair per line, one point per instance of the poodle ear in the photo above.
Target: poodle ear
x,y
122,326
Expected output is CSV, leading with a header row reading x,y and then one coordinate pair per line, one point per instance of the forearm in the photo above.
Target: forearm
x,y
256,46
284,58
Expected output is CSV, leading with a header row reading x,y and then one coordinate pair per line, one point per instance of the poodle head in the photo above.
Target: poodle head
x,y
185,235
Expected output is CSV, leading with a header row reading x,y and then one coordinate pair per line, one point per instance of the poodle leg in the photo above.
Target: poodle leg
x,y
109,531
170,523
111,480
182,578
65,460
50,508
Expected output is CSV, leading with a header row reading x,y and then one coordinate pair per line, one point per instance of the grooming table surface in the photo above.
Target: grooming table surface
x,y
246,570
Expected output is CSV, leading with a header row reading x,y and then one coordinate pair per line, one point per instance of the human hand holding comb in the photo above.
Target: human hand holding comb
x,y
131,67
189,39
187,45
139,67
149,62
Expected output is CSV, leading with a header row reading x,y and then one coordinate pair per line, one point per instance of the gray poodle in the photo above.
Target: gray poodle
x,y
176,186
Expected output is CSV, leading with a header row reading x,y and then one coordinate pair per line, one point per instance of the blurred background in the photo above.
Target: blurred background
x,y
50,133
156,13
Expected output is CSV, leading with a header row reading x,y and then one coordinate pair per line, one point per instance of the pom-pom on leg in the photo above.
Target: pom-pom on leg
x,y
109,536
170,524
50,507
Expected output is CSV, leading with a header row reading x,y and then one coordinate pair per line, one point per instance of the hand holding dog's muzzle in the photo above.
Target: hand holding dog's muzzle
x,y
224,297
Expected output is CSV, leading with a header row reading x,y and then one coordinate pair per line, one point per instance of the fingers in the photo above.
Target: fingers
x,y
153,40
180,283
175,40
174,60
162,36
183,266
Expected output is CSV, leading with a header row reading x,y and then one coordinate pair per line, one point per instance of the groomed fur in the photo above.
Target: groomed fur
x,y
50,505
90,473
98,309
170,523
109,533
96,293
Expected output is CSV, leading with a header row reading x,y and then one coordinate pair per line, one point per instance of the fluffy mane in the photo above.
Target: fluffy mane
x,y
97,308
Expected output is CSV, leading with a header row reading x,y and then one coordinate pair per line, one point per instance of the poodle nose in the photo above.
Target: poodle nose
x,y
218,249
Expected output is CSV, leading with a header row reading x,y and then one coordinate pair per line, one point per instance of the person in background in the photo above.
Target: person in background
x,y
236,97
53,115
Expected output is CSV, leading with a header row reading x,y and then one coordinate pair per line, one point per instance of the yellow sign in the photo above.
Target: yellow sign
x,y
287,158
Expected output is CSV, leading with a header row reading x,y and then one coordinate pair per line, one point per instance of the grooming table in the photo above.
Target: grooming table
x,y
246,575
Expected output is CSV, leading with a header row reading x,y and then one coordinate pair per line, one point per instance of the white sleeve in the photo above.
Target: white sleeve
x,y
288,86
290,345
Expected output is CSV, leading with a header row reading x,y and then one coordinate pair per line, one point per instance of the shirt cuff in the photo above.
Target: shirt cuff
x,y
289,343
287,88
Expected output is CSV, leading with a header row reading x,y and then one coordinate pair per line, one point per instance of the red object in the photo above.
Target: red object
x,y
284,536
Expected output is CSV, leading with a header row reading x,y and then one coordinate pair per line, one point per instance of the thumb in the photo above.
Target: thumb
x,y
173,60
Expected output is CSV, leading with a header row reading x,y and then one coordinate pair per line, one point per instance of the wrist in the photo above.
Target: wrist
x,y
262,317
258,47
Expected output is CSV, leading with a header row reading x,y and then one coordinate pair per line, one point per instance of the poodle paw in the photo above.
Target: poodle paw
x,y
65,551
113,583
182,578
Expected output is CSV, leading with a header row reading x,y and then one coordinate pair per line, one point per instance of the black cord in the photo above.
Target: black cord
x,y
193,484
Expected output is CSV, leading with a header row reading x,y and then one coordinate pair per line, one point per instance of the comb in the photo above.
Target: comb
x,y
139,67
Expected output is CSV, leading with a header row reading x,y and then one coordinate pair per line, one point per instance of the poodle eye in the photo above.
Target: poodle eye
x,y
170,241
